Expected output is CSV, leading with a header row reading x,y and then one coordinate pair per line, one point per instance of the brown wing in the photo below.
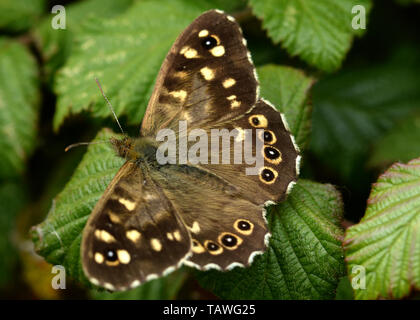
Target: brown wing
x,y
263,131
134,234
226,229
207,77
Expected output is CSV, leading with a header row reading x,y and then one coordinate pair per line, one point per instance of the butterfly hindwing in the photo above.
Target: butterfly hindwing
x,y
207,76
226,229
134,233
276,173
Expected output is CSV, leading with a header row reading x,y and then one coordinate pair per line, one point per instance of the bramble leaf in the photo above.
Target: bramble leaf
x,y
386,242
19,15
355,107
318,31
399,144
288,89
55,45
19,102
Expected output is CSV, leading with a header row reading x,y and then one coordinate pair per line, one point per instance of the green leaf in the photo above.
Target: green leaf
x,y
125,53
399,144
58,238
288,89
318,31
344,290
19,15
12,200
55,45
304,260
19,102
165,288
386,242
355,107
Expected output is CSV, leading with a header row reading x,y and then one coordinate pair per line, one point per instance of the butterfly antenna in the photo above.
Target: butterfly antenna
x,y
83,144
109,104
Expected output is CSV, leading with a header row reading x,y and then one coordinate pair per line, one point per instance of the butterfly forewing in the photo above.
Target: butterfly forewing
x,y
207,77
133,234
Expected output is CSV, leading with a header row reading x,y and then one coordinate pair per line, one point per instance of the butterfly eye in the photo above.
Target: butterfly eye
x,y
269,137
244,226
209,42
268,175
271,153
211,246
258,121
111,255
229,240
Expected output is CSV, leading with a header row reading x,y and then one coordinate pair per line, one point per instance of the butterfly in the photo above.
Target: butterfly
x,y
153,217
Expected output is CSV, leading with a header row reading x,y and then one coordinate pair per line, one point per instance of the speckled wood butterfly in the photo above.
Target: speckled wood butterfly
x,y
153,218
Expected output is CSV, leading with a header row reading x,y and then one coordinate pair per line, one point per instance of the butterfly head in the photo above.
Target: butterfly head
x,y
124,147
141,149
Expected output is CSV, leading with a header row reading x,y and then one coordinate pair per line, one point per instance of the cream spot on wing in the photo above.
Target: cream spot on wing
x,y
177,235
156,245
114,218
109,286
229,82
184,49
133,235
94,281
218,51
197,247
168,270
170,236
207,73
191,53
230,18
203,33
130,205
99,258
249,58
244,42
180,94
124,256
235,104
232,97
135,283
152,277
195,228
104,235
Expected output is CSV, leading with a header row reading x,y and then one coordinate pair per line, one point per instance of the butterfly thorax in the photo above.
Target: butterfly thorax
x,y
136,150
